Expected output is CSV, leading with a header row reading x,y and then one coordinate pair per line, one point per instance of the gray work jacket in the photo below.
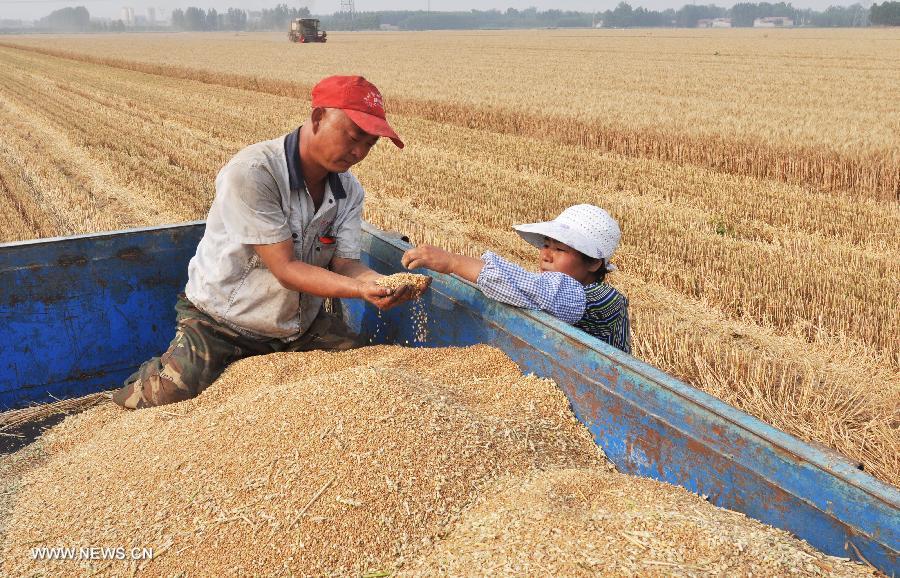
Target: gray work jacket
x,y
261,199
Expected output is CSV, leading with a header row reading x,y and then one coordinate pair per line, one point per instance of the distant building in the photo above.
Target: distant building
x,y
773,22
714,23
127,16
390,27
151,15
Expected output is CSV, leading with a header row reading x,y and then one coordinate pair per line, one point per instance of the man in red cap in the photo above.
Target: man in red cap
x,y
281,236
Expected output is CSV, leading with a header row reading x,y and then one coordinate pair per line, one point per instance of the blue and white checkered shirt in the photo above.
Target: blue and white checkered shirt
x,y
556,293
597,309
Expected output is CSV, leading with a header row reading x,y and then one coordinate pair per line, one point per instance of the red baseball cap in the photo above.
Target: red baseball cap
x,y
359,99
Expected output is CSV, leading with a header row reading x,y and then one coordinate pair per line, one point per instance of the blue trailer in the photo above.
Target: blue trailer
x,y
78,314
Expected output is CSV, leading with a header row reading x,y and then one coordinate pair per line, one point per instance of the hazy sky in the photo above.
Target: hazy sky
x,y
33,9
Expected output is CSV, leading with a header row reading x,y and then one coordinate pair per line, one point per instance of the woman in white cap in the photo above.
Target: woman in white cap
x,y
576,248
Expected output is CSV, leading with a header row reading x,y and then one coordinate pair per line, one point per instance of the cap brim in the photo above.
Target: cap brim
x,y
535,233
373,125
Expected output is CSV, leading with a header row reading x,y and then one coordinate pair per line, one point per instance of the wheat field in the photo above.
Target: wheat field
x,y
806,106
755,176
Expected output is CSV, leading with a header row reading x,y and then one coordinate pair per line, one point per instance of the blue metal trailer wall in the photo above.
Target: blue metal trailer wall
x,y
77,315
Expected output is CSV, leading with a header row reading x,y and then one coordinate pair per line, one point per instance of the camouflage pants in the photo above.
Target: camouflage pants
x,y
203,348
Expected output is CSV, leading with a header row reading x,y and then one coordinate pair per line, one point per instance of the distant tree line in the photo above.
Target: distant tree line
x,y
72,19
67,20
77,19
742,15
473,19
888,14
622,16
276,18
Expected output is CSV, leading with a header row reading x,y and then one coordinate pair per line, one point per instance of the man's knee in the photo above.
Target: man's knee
x,y
154,386
177,375
153,389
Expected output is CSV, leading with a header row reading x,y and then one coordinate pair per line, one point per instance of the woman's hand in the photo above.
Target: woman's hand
x,y
429,257
436,259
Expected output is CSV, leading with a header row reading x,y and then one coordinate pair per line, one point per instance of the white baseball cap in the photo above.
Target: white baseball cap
x,y
586,228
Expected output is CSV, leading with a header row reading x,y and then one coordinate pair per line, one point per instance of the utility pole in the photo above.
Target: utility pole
x,y
861,16
348,9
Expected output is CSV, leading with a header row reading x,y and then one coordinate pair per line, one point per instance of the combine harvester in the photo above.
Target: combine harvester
x,y
78,314
304,30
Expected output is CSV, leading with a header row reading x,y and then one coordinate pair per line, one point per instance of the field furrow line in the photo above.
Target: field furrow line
x,y
129,153
872,175
20,204
82,193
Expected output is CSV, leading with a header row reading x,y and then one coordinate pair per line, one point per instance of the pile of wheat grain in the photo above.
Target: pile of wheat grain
x,y
375,460
318,463
586,522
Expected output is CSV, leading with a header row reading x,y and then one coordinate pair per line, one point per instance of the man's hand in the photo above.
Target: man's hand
x,y
382,297
437,259
351,279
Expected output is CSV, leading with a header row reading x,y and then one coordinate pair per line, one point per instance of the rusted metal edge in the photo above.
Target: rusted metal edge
x,y
101,235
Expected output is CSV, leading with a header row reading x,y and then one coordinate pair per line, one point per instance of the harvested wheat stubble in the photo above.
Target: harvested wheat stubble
x,y
314,463
419,283
586,522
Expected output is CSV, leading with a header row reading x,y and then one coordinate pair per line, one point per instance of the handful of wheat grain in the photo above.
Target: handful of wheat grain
x,y
418,282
